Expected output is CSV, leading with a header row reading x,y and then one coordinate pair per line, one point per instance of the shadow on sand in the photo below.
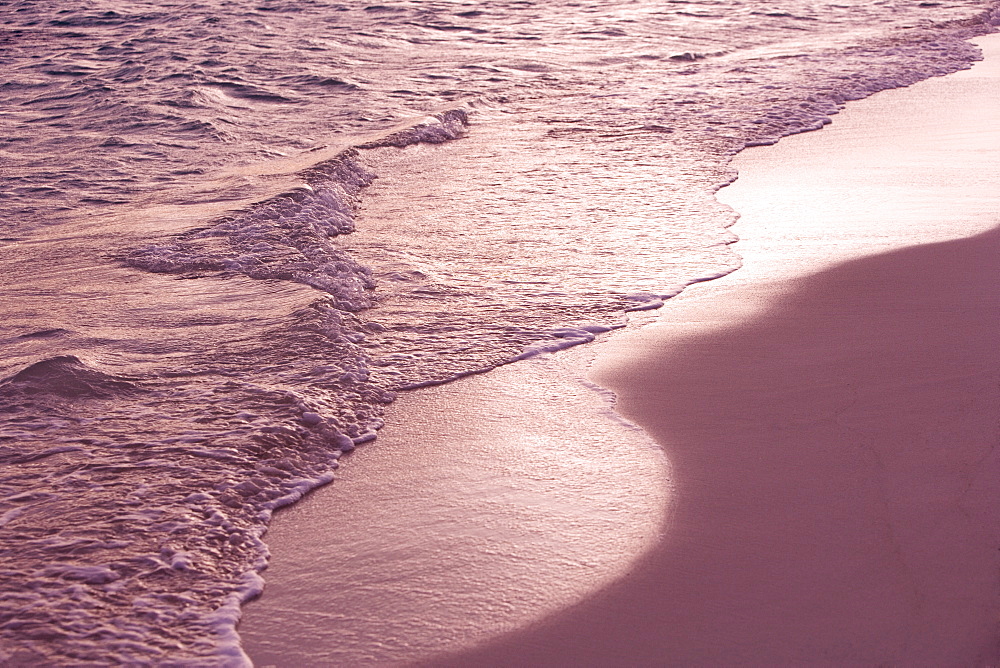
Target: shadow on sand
x,y
838,483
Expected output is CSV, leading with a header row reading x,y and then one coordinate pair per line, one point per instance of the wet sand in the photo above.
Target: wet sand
x,y
484,505
831,412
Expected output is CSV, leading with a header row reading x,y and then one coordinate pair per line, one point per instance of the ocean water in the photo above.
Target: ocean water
x,y
231,232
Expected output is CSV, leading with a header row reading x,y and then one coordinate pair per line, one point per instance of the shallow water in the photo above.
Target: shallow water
x,y
232,232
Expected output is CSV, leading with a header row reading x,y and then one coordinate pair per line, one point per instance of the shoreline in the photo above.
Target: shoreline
x,y
584,633
488,503
830,411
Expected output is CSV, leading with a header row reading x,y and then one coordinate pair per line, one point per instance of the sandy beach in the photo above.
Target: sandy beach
x,y
832,433
828,415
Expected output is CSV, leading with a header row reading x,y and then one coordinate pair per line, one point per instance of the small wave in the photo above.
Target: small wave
x,y
45,333
65,376
285,238
289,237
108,18
249,92
435,129
307,81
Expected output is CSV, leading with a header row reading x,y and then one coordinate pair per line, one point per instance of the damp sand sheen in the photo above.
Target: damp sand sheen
x,y
822,485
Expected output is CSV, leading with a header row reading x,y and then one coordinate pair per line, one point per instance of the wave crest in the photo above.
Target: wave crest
x,y
64,376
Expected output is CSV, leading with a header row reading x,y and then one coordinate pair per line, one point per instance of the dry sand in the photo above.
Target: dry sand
x,y
831,412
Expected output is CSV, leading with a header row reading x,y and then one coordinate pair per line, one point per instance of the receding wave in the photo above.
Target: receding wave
x,y
289,237
161,511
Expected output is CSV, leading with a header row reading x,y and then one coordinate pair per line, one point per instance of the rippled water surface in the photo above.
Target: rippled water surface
x,y
231,231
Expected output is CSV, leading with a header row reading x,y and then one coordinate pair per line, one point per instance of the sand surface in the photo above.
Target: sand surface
x,y
829,414
484,505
